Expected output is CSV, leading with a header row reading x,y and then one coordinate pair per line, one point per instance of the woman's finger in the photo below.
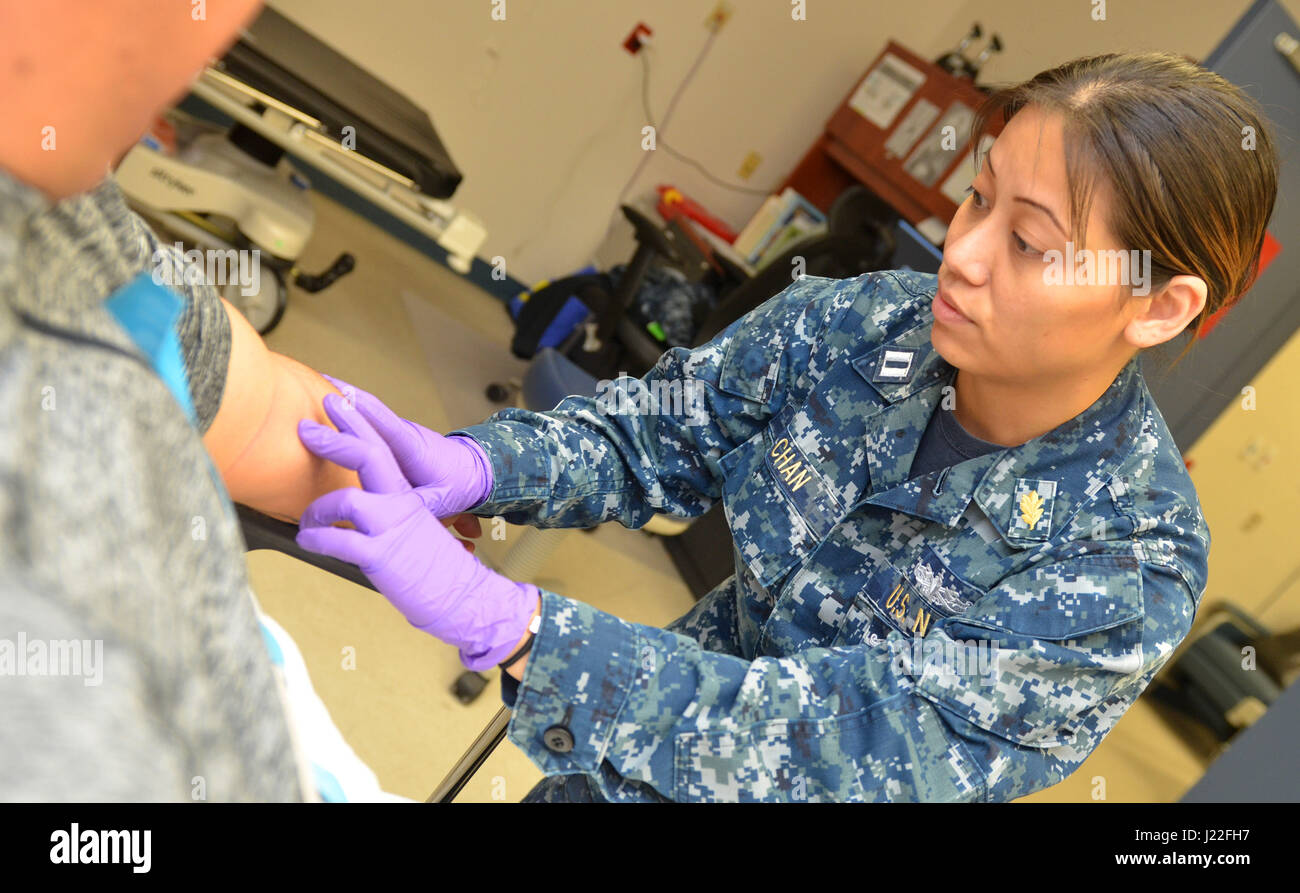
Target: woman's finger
x,y
457,523
357,507
345,545
400,435
340,384
342,449
455,519
381,472
468,525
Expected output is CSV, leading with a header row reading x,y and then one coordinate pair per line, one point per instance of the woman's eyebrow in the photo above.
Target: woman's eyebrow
x,y
988,157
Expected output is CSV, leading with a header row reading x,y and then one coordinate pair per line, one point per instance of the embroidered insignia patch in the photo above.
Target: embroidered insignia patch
x,y
895,364
1031,509
930,583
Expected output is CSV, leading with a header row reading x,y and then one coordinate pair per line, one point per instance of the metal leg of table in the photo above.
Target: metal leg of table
x,y
473,758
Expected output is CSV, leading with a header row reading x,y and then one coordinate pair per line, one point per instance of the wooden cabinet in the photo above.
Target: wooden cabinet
x,y
903,131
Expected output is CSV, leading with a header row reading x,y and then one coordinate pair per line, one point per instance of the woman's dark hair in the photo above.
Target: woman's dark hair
x,y
1188,158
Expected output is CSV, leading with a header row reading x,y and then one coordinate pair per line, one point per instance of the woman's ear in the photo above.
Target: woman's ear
x,y
1168,312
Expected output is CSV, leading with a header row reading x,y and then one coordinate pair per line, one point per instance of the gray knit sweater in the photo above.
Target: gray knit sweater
x,y
115,533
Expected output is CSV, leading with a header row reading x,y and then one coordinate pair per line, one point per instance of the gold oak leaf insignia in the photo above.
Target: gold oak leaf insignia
x,y
1031,508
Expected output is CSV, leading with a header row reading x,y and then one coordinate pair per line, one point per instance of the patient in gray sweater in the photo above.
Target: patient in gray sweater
x,y
117,531
132,666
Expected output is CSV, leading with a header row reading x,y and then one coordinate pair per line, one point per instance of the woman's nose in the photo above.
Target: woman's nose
x,y
966,252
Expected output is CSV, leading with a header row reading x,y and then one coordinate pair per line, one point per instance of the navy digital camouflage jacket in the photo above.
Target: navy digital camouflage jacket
x,y
967,635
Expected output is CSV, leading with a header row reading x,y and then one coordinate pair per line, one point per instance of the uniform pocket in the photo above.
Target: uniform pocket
x,y
1065,641
1064,600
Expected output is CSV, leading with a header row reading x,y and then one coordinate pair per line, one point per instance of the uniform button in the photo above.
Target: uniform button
x,y
558,739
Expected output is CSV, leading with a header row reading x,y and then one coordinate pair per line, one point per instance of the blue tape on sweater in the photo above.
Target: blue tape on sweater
x,y
148,311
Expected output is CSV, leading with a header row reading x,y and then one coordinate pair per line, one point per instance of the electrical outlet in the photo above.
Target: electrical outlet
x,y
1257,453
721,14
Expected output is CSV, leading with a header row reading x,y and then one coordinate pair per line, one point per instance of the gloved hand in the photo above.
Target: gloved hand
x,y
403,549
451,474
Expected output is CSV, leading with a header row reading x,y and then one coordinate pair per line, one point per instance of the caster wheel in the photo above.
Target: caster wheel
x,y
469,685
498,393
264,308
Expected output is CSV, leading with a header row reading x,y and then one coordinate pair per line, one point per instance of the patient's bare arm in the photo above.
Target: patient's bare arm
x,y
253,440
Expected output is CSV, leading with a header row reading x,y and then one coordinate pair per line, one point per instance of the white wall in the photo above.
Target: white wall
x,y
542,111
1041,34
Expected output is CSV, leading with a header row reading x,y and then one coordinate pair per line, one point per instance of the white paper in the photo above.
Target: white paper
x,y
885,90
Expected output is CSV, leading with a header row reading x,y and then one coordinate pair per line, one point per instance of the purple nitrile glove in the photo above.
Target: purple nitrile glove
x,y
405,551
451,474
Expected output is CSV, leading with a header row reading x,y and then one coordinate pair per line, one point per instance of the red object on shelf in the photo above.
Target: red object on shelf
x,y
633,42
672,203
165,133
1270,249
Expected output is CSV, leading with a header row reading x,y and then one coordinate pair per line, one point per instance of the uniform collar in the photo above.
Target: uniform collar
x,y
1051,476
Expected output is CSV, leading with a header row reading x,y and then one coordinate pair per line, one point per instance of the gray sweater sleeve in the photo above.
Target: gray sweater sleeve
x,y
203,328
204,332
80,723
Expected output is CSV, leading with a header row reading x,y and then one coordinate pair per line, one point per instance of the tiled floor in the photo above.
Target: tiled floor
x,y
378,328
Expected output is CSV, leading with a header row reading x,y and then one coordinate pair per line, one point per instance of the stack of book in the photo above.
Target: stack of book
x,y
782,220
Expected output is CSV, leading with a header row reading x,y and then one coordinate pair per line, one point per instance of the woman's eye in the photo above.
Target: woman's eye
x,y
1020,243
1024,246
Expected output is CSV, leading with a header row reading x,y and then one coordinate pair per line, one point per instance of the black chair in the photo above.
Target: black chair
x,y
859,239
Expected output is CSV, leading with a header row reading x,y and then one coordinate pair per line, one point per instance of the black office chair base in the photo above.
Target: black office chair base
x,y
503,392
468,686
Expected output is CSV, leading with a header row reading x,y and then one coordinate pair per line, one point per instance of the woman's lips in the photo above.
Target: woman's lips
x,y
945,311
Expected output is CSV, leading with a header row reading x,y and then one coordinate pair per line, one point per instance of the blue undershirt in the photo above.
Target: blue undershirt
x,y
946,443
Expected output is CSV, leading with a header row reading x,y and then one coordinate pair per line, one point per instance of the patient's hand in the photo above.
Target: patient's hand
x,y
466,525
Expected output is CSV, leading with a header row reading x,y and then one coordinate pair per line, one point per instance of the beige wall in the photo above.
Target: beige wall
x,y
542,111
